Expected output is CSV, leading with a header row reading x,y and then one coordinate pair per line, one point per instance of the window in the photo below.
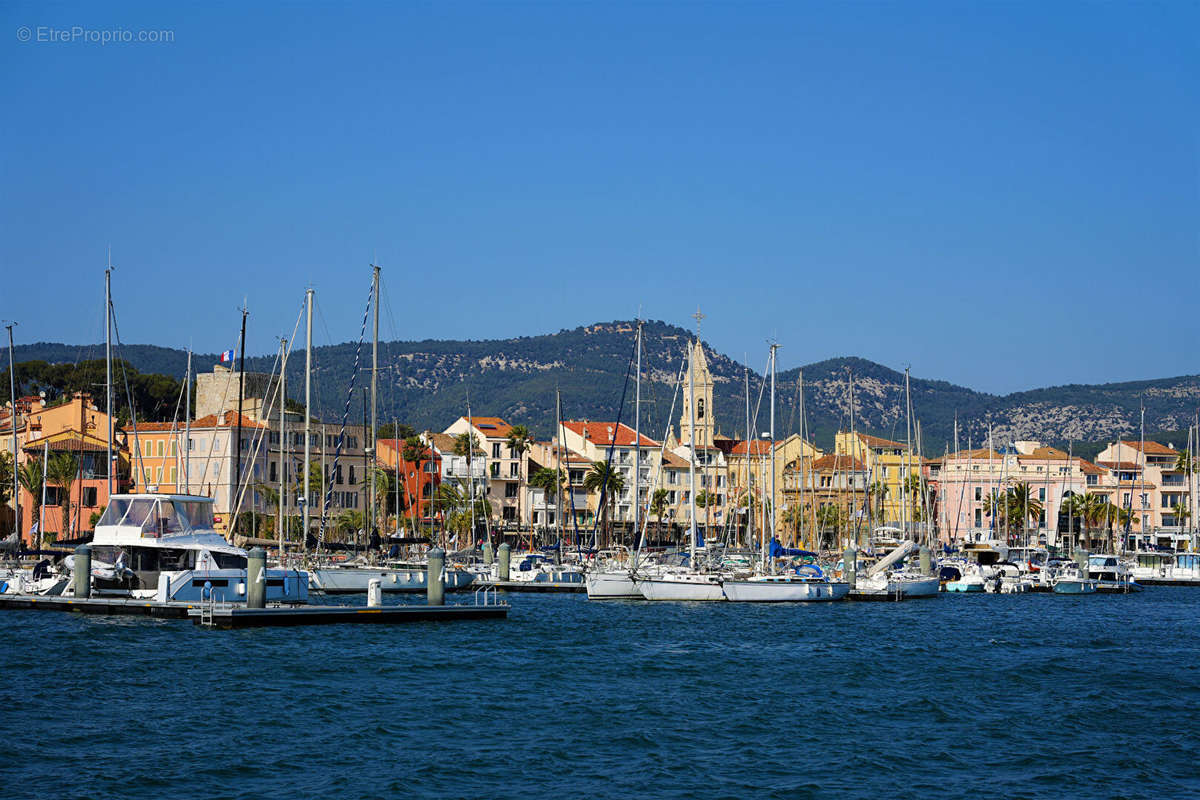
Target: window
x,y
89,497
148,448
514,470
495,469
158,475
978,492
174,447
339,474
160,448
510,490
700,408
352,481
173,475
495,450
274,471
1042,495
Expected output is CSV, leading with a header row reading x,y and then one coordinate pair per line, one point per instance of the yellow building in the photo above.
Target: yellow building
x,y
887,463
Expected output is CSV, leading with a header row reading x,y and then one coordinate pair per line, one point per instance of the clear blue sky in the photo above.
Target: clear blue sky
x,y
1002,195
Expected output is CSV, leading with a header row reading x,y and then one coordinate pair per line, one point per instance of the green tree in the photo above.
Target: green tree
x,y
829,520
1022,505
31,477
548,480
62,470
606,480
270,497
1183,463
658,505
518,442
349,522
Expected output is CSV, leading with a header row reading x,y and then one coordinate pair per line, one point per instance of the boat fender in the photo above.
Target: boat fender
x,y
4,587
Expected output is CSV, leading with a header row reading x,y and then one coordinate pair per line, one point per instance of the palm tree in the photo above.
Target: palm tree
x,y
350,521
829,519
270,497
548,480
1022,505
608,482
518,445
1183,463
658,504
877,492
31,476
62,469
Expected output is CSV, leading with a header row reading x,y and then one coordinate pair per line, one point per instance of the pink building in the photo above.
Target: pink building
x,y
966,479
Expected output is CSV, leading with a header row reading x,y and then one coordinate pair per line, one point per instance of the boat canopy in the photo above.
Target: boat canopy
x,y
159,515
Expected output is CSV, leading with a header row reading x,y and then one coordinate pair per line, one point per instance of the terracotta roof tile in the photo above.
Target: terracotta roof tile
x,y
1152,448
601,433
834,462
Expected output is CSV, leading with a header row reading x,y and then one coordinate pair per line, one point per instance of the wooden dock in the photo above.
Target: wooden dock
x,y
239,616
276,616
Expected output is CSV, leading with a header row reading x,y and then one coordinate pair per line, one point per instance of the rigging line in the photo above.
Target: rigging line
x,y
661,452
337,454
128,393
258,437
612,447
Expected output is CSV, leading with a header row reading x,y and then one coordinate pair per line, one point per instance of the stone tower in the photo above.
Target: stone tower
x,y
702,379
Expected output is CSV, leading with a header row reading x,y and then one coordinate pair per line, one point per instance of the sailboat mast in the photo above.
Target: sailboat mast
x,y
282,438
187,427
692,460
374,381
559,471
749,462
637,442
108,395
234,501
12,420
774,524
308,301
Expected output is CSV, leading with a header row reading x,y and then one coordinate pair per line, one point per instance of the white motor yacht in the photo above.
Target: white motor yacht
x,y
164,547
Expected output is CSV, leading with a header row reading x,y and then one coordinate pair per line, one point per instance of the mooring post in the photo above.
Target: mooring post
x,y
256,578
435,587
1081,560
374,593
850,566
926,561
82,573
489,556
505,556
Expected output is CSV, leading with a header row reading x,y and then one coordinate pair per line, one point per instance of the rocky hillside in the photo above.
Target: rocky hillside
x,y
427,384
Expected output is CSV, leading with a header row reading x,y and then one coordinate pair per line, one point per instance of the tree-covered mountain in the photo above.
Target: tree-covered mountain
x,y
428,384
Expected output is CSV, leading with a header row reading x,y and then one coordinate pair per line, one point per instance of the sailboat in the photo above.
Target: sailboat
x,y
805,584
352,578
686,583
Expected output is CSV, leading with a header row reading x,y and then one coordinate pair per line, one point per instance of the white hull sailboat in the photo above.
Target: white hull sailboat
x,y
783,589
612,585
685,586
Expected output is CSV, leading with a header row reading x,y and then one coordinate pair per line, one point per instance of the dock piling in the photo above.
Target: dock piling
x,y
82,573
926,561
256,578
435,586
505,555
850,566
489,555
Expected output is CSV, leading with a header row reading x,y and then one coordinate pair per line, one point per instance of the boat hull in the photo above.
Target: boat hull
x,y
766,591
343,580
1074,586
681,590
612,586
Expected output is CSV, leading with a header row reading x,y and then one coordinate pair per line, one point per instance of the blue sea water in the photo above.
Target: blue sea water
x,y
1011,696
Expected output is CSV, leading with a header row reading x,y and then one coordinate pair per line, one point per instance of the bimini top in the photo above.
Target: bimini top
x,y
133,517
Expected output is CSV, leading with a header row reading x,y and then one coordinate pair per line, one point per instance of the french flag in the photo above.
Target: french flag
x,y
226,356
